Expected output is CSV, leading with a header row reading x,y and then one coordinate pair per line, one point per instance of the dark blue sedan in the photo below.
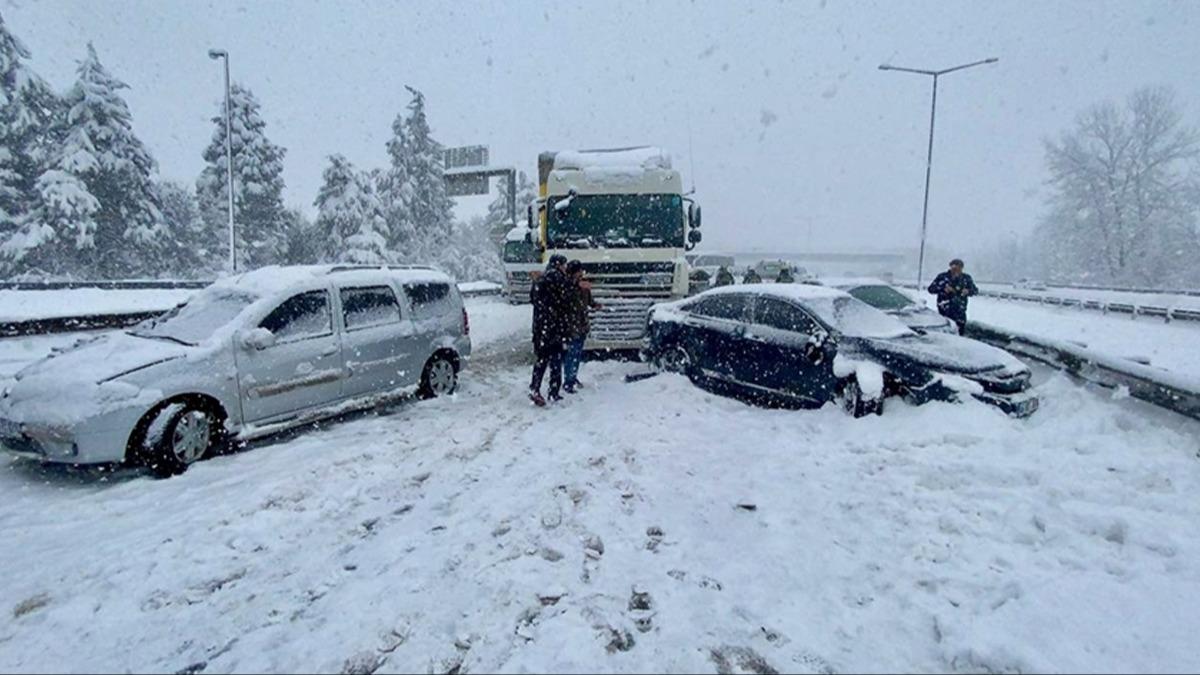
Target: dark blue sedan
x,y
795,344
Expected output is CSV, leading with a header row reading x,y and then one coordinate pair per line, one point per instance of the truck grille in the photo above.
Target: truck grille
x,y
518,286
621,319
653,279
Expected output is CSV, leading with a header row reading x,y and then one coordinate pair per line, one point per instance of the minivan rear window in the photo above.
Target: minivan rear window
x,y
426,293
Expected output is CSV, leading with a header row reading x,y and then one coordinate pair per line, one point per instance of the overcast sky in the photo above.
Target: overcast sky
x,y
793,129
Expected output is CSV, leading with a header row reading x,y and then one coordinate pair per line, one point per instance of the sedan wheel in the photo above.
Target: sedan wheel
x,y
178,436
676,359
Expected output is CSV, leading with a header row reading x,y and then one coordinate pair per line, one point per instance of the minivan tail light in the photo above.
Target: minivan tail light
x,y
466,322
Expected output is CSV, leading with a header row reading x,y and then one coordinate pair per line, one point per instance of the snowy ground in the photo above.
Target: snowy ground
x,y
1169,300
1172,346
638,527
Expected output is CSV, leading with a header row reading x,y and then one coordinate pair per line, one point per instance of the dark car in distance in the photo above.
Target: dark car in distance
x,y
796,344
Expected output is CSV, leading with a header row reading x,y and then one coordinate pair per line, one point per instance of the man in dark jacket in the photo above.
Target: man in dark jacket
x,y
953,288
550,296
578,325
751,277
724,277
785,276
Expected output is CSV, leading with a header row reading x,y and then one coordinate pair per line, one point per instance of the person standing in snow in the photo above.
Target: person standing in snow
x,y
785,276
724,277
551,297
579,324
953,288
751,277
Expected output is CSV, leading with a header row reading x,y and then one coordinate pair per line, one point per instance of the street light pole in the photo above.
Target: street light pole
x,y
224,55
929,156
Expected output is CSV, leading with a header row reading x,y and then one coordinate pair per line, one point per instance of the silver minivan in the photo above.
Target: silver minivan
x,y
250,355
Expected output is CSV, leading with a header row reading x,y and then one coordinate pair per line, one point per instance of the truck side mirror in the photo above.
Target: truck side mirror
x,y
695,237
694,214
528,219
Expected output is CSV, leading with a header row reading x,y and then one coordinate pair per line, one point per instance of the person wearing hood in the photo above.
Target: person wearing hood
x,y
552,298
578,324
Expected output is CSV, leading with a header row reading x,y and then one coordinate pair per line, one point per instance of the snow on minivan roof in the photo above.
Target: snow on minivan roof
x,y
279,278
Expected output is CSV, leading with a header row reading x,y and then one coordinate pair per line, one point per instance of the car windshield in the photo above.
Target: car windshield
x,y
616,221
854,318
192,322
883,298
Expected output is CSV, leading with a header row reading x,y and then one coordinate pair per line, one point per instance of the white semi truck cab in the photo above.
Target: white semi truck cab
x,y
623,214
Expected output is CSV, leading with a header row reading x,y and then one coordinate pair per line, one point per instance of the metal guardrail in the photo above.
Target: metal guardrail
x,y
85,322
109,285
1153,385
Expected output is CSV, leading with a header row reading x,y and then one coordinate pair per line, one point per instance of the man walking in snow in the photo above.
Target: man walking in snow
x,y
953,288
579,324
551,297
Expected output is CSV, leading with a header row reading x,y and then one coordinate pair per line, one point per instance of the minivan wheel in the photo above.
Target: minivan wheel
x,y
854,403
179,436
440,378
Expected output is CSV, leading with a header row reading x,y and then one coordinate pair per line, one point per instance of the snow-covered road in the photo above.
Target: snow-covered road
x,y
646,526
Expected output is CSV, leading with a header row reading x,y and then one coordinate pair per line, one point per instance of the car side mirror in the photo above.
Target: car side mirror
x,y
257,339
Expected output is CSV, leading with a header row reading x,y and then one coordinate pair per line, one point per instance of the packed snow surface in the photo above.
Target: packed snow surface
x,y
649,526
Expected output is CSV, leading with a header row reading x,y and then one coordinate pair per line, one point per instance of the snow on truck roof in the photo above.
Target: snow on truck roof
x,y
278,278
645,157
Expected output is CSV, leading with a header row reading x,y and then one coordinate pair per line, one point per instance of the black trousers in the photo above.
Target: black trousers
x,y
548,356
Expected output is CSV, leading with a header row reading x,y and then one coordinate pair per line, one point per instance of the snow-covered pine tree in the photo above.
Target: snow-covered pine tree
x,y
196,250
395,192
304,245
259,214
27,108
431,209
98,204
350,217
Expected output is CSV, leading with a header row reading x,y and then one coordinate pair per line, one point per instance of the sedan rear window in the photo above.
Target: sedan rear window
x,y
369,306
885,298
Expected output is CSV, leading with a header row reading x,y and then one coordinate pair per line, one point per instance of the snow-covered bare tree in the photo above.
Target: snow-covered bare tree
x,y
257,183
350,216
27,108
1125,194
98,207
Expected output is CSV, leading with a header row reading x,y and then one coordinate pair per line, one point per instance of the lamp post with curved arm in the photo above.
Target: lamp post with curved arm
x,y
929,157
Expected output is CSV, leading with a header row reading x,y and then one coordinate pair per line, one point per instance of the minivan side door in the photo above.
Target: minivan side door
x,y
301,369
378,340
781,342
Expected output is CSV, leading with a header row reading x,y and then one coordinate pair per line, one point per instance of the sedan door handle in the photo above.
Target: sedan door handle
x,y
330,350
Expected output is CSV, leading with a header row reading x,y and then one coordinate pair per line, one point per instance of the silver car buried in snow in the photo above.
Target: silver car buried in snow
x,y
250,355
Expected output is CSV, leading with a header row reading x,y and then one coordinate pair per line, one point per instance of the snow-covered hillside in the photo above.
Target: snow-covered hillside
x,y
637,527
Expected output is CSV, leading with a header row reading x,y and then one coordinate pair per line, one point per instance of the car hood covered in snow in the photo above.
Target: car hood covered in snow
x,y
942,352
98,359
83,380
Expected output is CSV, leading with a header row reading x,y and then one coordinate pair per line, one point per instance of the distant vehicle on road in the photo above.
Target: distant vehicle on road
x,y
891,300
1029,284
249,355
769,270
522,264
807,345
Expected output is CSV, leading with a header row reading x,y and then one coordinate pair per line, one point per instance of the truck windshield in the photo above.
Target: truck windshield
x,y
616,221
520,252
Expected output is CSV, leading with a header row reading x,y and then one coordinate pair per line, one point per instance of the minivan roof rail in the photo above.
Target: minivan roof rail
x,y
359,267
